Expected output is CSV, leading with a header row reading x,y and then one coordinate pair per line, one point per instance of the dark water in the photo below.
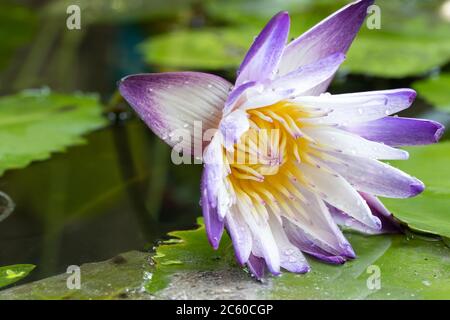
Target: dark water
x,y
96,200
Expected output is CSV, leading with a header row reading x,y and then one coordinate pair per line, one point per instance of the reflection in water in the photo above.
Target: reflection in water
x,y
92,202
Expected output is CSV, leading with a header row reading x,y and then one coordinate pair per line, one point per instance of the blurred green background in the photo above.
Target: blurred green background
x,y
89,180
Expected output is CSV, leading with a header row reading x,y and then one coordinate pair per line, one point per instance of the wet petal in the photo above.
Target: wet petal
x,y
350,108
169,103
262,59
375,177
331,35
397,131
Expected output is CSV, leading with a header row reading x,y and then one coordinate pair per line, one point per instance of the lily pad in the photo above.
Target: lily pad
x,y
412,38
409,268
388,267
35,123
116,278
430,211
11,274
436,91
217,48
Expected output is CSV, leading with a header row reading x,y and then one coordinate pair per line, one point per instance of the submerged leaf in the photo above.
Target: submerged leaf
x,y
35,123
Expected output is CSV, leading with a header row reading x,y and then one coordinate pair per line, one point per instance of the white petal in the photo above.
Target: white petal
x,y
339,193
343,109
291,257
351,144
374,177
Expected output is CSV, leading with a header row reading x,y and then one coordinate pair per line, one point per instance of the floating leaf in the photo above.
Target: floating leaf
x,y
35,123
412,38
430,211
11,274
436,91
112,279
204,49
408,269
387,267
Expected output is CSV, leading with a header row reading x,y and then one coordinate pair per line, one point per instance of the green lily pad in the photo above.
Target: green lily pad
x,y
387,267
11,274
35,123
217,48
116,278
430,211
409,268
436,91
412,40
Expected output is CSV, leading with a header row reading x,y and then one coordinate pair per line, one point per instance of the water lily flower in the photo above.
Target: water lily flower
x,y
320,161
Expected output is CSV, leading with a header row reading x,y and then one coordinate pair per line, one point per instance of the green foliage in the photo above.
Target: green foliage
x,y
106,11
430,211
436,91
35,123
17,20
11,274
204,49
191,252
113,279
412,39
410,268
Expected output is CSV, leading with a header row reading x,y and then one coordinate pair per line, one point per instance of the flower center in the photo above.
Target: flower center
x,y
264,162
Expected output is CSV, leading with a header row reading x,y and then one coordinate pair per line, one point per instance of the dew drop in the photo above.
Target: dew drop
x,y
426,283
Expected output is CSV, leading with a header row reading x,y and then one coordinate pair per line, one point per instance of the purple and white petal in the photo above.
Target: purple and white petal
x,y
264,244
375,177
240,235
339,193
351,108
397,131
214,226
262,59
389,223
233,126
307,77
329,138
311,213
291,257
331,35
237,96
170,103
215,194
257,266
307,244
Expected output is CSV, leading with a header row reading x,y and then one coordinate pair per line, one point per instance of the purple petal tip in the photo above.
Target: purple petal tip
x,y
416,187
439,132
349,252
